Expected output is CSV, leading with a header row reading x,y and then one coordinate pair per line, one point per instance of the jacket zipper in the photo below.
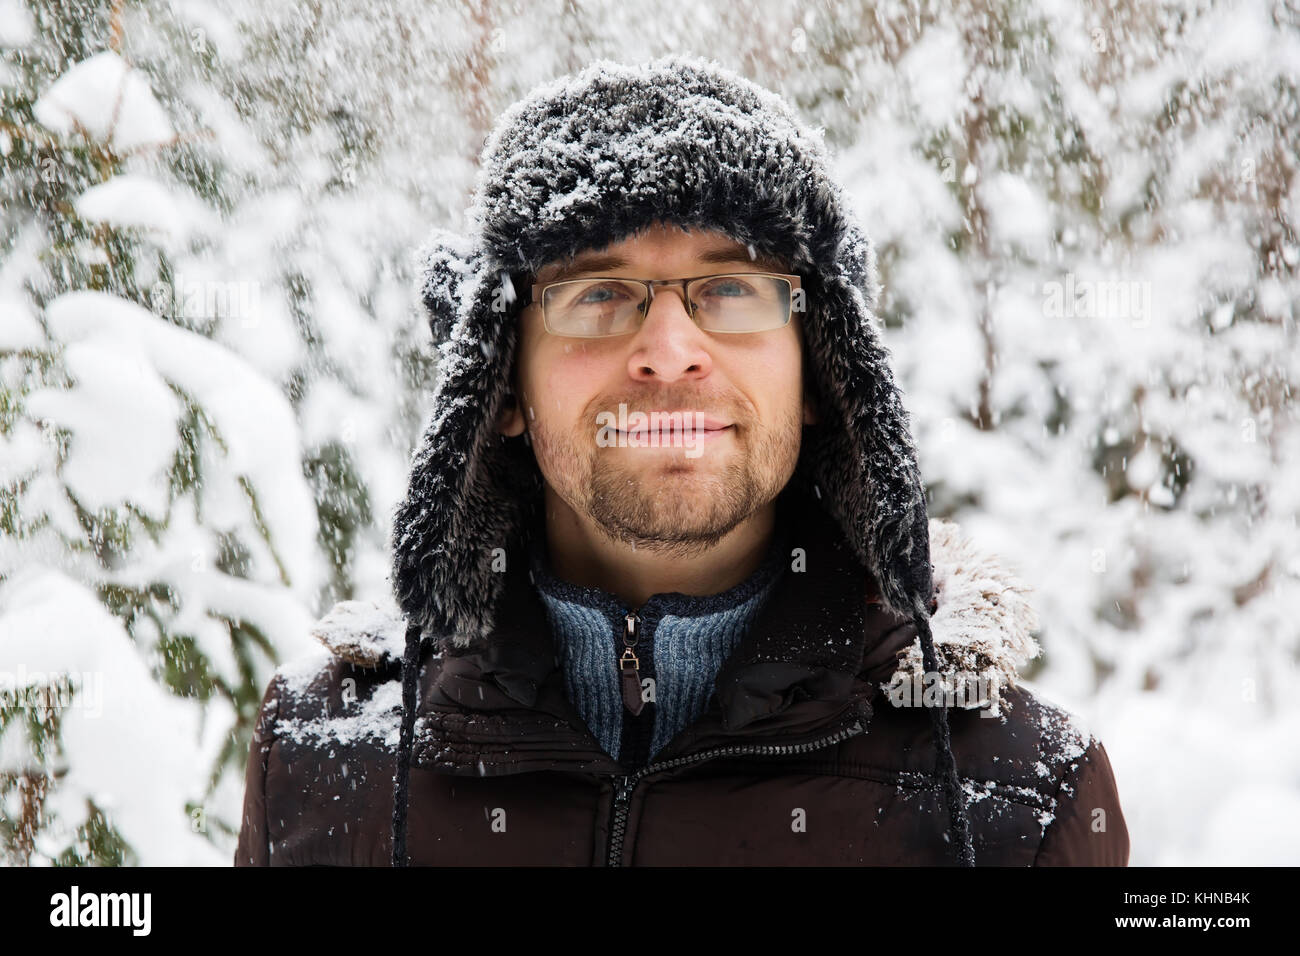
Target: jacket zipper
x,y
627,782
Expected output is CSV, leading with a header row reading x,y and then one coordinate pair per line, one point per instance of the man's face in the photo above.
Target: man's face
x,y
675,492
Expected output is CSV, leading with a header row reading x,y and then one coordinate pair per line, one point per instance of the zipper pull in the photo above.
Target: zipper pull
x,y
631,668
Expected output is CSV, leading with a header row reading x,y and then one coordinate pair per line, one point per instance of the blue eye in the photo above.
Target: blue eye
x,y
737,287
586,298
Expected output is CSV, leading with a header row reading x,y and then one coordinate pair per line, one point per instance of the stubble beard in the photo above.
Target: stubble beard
x,y
675,509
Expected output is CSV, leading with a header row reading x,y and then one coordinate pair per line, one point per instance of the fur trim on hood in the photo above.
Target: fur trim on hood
x,y
983,626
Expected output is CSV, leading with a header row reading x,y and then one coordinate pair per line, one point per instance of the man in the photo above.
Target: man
x,y
668,590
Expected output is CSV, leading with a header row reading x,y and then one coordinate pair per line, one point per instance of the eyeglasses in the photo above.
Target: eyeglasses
x,y
732,302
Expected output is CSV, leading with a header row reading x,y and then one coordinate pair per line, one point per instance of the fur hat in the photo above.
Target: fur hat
x,y
584,162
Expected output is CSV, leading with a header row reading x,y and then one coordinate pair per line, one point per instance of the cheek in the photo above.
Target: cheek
x,y
773,378
558,381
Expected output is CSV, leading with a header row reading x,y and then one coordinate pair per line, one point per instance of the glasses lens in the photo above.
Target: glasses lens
x,y
591,307
741,303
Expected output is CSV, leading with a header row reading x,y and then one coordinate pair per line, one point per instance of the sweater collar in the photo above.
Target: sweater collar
x,y
663,603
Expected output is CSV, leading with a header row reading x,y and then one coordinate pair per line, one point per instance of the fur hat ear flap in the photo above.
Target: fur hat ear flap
x,y
446,260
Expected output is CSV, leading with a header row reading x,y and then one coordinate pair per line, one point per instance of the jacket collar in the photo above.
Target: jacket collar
x,y
821,647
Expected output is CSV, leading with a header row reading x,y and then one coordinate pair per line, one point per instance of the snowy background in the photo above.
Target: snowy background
x,y
213,366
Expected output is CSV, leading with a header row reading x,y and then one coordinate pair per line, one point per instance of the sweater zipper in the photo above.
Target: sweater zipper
x,y
629,665
627,782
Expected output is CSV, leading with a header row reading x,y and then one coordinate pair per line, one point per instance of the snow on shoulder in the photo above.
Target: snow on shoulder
x,y
362,633
366,635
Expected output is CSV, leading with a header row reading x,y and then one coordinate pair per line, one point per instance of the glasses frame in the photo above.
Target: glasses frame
x,y
538,289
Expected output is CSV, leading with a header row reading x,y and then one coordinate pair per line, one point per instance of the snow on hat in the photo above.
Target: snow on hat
x,y
581,163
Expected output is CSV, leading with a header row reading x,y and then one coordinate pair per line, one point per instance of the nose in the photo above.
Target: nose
x,y
669,345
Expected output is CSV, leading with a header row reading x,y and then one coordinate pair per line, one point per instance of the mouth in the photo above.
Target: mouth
x,y
679,420
685,426
672,436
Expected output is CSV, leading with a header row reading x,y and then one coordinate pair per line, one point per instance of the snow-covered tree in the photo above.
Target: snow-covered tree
x,y
159,547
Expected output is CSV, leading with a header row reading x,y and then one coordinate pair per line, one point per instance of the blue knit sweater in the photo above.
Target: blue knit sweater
x,y
683,643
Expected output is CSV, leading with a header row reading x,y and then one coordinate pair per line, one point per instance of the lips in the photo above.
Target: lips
x,y
686,421
666,435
